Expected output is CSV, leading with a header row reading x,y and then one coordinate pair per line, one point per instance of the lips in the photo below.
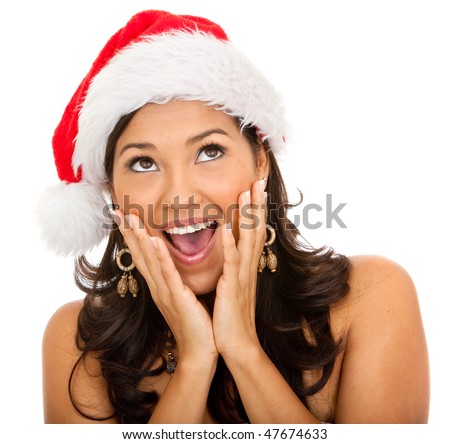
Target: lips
x,y
191,248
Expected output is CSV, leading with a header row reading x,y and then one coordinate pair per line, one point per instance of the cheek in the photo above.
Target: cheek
x,y
226,195
230,181
134,199
224,189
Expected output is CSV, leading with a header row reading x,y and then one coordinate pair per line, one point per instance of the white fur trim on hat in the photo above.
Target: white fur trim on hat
x,y
180,65
72,217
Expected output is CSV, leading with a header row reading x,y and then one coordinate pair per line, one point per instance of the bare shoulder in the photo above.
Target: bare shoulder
x,y
376,281
64,321
59,358
60,332
378,270
378,286
384,376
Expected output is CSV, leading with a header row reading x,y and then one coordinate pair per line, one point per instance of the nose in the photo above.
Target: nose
x,y
181,196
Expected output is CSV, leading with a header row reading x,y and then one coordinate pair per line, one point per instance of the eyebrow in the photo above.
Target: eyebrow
x,y
190,141
141,146
204,134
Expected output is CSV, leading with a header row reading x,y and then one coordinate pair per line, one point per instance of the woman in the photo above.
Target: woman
x,y
220,315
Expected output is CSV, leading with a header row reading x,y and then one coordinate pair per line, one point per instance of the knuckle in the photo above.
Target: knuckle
x,y
234,258
186,290
139,236
166,273
252,242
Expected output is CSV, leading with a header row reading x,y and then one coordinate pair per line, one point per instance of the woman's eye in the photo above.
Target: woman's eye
x,y
142,164
210,152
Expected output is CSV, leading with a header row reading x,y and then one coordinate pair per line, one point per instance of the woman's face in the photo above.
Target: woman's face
x,y
185,160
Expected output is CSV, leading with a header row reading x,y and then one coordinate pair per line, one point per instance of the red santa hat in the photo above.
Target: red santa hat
x,y
155,58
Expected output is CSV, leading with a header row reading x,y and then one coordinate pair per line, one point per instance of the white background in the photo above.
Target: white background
x,y
366,86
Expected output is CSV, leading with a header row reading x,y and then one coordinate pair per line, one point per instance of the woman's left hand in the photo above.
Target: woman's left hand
x,y
235,304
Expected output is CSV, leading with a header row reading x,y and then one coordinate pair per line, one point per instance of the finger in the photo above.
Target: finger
x,y
169,275
132,243
146,249
230,255
259,195
164,274
251,226
246,226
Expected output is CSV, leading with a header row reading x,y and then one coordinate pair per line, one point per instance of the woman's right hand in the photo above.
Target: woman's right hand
x,y
187,318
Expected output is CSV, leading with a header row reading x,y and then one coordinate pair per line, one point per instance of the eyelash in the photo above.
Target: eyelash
x,y
136,159
203,148
212,145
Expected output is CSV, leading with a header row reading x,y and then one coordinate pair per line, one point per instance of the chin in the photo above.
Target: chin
x,y
203,283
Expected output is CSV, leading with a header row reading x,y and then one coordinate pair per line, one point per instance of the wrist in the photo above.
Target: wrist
x,y
198,364
240,357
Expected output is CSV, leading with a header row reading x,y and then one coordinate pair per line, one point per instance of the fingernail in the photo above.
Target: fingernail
x,y
228,230
129,221
154,242
115,217
262,185
247,196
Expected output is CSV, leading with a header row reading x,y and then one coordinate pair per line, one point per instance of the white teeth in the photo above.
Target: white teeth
x,y
189,228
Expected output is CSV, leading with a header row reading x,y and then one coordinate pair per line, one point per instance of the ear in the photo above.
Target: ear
x,y
262,161
111,192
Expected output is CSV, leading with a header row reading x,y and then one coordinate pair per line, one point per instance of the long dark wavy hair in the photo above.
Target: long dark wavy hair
x,y
128,335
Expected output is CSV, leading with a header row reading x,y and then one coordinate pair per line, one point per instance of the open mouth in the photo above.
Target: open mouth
x,y
192,240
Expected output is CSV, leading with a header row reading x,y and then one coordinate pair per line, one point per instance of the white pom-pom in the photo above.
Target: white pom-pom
x,y
73,218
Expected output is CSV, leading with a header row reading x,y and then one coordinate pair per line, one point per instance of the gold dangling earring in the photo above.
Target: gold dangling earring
x,y
126,283
171,363
268,259
262,262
